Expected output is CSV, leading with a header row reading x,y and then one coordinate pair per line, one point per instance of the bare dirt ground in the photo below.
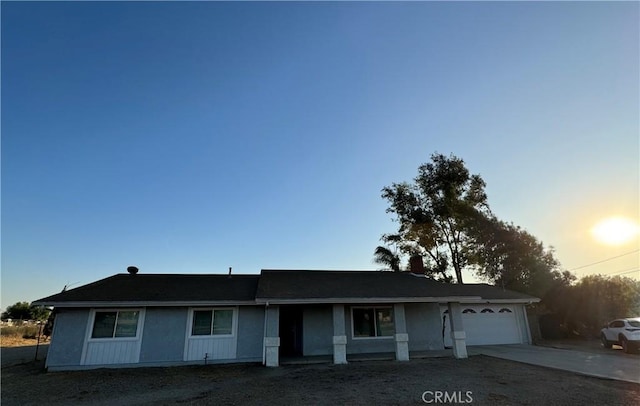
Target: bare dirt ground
x,y
490,381
17,350
22,354
16,341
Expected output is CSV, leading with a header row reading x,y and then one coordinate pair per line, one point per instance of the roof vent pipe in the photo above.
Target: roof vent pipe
x,y
132,270
229,272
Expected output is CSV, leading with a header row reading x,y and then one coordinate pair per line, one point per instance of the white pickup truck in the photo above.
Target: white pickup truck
x,y
623,332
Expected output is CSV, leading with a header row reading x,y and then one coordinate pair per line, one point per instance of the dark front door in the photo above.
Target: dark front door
x,y
290,331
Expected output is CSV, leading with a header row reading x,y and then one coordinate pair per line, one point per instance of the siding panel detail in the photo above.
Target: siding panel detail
x,y
115,352
108,351
213,348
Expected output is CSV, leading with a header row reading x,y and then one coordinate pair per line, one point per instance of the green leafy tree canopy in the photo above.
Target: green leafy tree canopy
x,y
384,256
444,217
25,311
594,300
509,256
436,213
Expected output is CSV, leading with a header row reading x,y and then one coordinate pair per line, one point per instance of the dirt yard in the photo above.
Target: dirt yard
x,y
488,381
16,341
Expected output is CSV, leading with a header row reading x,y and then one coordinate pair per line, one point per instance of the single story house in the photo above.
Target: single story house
x,y
171,319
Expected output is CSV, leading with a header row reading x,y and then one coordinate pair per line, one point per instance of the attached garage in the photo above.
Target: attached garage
x,y
489,324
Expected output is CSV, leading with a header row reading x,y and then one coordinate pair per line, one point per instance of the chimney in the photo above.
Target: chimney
x,y
132,270
416,265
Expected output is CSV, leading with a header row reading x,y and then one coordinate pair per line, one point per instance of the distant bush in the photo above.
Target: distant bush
x,y
25,311
24,331
582,309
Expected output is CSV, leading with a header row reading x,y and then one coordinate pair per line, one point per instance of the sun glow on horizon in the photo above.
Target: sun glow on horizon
x,y
616,230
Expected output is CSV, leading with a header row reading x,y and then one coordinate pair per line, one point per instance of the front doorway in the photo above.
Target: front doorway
x,y
290,331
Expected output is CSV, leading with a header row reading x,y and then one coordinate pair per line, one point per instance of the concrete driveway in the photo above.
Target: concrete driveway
x,y
587,363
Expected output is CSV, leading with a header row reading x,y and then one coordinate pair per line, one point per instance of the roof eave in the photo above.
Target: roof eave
x,y
351,300
521,301
145,303
267,301
348,300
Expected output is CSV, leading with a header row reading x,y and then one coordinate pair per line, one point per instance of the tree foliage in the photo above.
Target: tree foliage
x,y
509,256
585,307
24,311
384,256
444,216
435,214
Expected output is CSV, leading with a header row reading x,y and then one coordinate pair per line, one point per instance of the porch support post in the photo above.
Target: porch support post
x,y
339,336
401,337
272,336
458,336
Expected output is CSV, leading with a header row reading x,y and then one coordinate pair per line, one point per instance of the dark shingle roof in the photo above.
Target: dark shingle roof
x,y
272,286
161,288
302,285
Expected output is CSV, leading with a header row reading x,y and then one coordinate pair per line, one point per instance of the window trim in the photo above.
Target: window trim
x,y
353,327
92,321
234,323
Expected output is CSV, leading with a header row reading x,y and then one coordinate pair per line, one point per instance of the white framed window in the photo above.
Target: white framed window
x,y
115,324
218,322
372,322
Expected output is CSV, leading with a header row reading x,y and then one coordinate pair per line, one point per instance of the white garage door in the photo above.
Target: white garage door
x,y
486,324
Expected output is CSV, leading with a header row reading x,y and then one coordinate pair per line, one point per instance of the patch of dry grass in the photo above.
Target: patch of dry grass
x,y
17,336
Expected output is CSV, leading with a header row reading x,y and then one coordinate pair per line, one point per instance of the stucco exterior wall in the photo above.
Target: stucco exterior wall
x,y
163,334
317,330
422,320
424,326
250,333
67,340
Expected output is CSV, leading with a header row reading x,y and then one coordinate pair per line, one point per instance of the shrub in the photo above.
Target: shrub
x,y
24,331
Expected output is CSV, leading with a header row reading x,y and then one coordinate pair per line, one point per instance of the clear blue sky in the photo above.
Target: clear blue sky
x,y
190,137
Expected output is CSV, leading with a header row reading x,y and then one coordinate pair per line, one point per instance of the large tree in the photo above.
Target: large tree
x,y
436,214
25,311
509,256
